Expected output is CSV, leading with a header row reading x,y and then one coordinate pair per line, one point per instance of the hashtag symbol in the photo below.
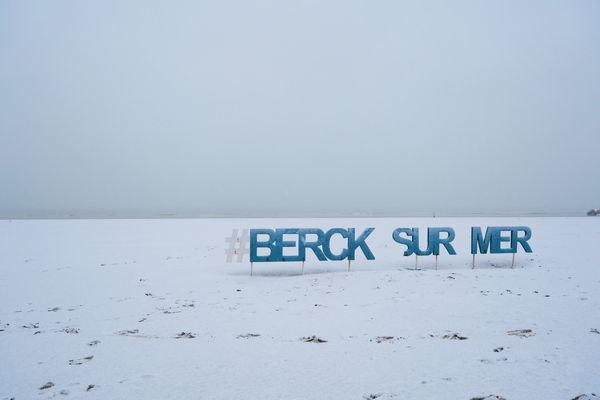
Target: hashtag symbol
x,y
238,245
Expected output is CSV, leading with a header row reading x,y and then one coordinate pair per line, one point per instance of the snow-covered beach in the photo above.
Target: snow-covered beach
x,y
150,309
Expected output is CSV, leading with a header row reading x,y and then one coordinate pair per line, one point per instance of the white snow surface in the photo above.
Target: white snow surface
x,y
135,285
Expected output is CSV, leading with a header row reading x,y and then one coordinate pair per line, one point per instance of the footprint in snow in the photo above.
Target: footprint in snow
x,y
386,339
454,336
46,385
135,333
379,396
80,361
184,335
313,339
128,332
521,333
488,361
248,335
71,331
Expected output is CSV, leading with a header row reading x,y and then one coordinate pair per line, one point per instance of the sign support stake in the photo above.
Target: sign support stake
x,y
436,262
348,265
251,265
416,261
302,267
473,262
513,261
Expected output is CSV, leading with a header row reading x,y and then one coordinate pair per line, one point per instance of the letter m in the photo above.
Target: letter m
x,y
478,240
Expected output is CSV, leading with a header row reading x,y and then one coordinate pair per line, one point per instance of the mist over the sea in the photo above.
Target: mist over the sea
x,y
340,108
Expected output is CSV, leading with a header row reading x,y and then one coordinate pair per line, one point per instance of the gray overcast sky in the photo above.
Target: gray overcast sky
x,y
298,107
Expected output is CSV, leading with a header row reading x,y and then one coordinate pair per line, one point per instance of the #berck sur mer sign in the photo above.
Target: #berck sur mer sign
x,y
271,242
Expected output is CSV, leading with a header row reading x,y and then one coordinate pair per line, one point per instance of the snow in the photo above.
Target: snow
x,y
149,309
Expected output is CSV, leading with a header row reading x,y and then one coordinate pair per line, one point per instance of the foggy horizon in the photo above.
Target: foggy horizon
x,y
283,214
298,109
